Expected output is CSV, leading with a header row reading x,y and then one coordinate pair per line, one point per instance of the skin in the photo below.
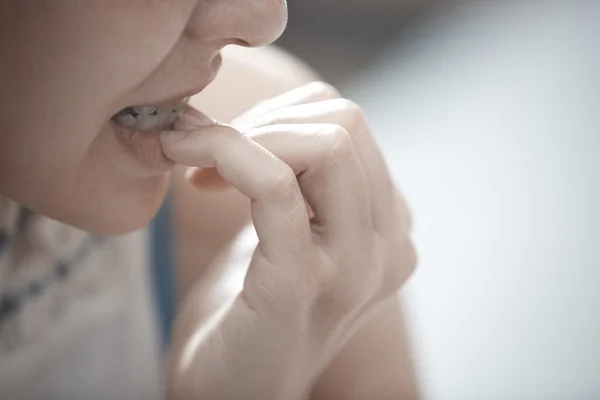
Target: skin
x,y
317,307
125,52
298,305
376,363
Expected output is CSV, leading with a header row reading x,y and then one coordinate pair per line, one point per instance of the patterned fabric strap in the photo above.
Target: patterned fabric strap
x,y
37,254
58,251
11,301
163,275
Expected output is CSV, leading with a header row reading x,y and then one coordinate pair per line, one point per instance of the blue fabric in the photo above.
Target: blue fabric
x,y
163,276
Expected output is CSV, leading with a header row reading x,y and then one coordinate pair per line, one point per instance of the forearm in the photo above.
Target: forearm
x,y
265,362
376,364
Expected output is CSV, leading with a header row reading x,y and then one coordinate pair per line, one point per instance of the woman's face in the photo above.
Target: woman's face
x,y
70,145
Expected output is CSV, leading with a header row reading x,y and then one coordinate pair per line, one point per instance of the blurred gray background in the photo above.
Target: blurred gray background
x,y
339,38
488,113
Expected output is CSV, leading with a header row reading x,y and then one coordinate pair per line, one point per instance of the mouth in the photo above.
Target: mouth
x,y
137,126
148,118
137,129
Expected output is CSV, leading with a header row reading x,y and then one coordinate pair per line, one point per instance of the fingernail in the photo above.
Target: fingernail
x,y
166,137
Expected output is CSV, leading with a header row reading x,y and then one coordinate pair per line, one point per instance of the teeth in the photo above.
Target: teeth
x,y
127,120
147,118
144,110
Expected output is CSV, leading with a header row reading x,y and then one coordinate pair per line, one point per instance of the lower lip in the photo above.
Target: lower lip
x,y
145,148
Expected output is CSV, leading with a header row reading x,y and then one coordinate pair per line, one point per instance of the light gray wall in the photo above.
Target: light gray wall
x,y
490,120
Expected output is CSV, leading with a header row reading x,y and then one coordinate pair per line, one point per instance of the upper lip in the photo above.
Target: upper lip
x,y
191,90
184,94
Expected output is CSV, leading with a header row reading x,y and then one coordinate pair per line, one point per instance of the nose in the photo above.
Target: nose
x,y
249,23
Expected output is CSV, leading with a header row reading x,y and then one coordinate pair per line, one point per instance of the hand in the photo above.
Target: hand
x,y
312,282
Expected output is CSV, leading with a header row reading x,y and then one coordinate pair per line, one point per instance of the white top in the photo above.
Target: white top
x,y
91,335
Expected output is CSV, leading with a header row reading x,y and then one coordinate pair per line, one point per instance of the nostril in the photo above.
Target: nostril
x,y
237,42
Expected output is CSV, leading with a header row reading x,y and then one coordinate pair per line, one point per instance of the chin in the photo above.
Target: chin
x,y
118,212
121,224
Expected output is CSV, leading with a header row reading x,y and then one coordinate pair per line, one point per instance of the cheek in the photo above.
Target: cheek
x,y
65,70
79,60
93,190
115,207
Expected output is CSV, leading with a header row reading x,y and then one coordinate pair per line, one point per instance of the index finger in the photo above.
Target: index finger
x,y
278,210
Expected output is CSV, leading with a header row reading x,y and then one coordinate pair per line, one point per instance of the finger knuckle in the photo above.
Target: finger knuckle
x,y
325,89
402,267
405,212
281,184
392,281
354,114
332,294
412,258
336,300
340,142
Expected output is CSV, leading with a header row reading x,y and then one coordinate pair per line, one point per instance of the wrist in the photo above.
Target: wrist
x,y
237,353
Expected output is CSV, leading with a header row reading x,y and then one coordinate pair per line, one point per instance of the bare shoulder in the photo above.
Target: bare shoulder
x,y
250,75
